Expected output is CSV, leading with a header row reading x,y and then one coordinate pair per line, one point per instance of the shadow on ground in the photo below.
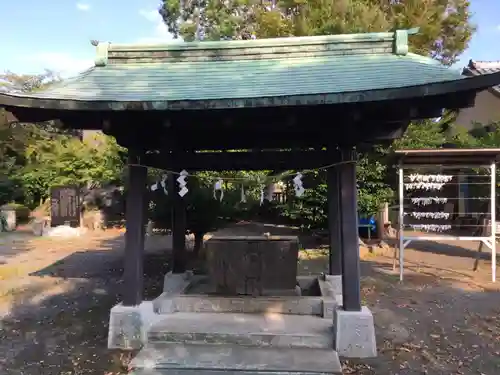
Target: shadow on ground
x,y
448,249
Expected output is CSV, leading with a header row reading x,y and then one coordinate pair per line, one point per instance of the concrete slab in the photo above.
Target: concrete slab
x,y
265,330
201,359
250,305
354,333
128,325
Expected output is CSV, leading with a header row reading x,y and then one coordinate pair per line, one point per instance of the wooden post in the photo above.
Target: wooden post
x,y
382,219
134,236
333,198
349,232
179,256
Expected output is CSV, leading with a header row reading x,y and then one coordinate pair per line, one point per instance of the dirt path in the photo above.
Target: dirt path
x,y
55,296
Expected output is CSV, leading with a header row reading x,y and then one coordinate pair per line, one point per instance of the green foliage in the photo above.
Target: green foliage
x,y
310,210
422,134
445,25
205,213
36,157
65,160
445,31
373,189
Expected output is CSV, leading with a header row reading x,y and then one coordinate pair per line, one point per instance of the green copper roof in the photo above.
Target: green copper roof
x,y
282,71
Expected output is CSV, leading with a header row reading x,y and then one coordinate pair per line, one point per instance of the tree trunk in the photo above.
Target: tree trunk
x,y
198,243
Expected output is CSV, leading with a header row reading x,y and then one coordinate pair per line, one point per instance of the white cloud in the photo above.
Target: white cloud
x,y
60,62
150,15
160,32
84,7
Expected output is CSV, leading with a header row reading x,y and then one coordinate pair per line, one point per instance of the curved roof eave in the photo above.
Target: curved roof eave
x,y
475,83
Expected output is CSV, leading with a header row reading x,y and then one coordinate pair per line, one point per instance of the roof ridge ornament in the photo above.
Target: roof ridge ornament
x,y
401,40
102,48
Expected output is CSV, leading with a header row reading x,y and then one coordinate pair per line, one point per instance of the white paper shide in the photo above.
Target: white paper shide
x,y
428,182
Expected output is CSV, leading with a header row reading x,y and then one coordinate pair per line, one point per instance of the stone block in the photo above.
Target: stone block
x,y
177,359
335,282
128,325
329,306
243,305
285,331
176,283
354,333
330,285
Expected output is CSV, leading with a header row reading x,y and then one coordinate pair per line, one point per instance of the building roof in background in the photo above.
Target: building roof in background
x,y
475,68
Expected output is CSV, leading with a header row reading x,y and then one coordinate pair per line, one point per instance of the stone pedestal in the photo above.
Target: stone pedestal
x,y
128,325
354,333
331,286
253,265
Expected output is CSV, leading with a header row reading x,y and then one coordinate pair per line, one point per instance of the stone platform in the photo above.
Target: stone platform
x,y
234,359
188,331
268,343
261,330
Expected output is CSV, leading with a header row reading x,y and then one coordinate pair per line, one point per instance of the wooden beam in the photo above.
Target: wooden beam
x,y
193,139
233,161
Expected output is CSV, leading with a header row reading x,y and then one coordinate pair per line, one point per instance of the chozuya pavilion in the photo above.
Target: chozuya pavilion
x,y
286,103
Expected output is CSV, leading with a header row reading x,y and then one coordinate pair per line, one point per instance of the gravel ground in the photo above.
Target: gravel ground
x,y
442,320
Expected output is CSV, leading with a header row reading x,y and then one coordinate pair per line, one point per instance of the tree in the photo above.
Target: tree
x,y
204,211
17,138
445,31
65,160
11,82
445,25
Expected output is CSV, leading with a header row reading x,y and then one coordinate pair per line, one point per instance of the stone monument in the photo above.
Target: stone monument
x,y
65,206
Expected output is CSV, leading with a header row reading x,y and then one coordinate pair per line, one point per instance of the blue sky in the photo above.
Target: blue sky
x,y
56,34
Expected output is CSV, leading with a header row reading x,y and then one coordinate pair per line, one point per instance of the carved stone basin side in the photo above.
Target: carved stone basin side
x,y
252,265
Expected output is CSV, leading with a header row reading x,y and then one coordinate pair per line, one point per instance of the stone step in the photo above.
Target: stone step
x,y
246,305
174,359
222,372
265,330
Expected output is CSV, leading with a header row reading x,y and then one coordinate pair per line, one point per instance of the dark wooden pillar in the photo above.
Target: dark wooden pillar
x,y
333,198
349,232
179,255
134,236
